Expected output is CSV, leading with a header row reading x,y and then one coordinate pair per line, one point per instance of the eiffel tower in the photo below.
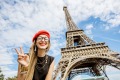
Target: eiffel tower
x,y
83,55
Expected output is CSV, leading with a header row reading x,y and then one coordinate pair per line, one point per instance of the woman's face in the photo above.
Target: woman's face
x,y
42,42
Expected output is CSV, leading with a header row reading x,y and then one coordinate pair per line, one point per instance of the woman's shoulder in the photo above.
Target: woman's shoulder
x,y
50,58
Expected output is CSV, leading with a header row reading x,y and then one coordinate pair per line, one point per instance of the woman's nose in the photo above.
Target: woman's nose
x,y
43,39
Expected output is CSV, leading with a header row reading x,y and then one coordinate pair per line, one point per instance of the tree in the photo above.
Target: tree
x,y
13,78
1,75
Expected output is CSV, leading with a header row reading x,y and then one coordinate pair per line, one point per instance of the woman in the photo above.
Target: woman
x,y
38,64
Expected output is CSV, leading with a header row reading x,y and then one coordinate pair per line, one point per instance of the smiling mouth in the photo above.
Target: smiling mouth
x,y
42,44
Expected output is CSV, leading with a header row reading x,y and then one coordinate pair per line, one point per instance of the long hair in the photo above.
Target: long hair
x,y
33,60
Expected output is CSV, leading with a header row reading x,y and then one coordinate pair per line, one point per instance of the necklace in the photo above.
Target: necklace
x,y
45,61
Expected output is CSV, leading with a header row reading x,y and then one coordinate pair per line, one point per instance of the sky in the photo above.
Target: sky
x,y
21,19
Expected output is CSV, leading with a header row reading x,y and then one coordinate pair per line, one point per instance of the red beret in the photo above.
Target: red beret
x,y
43,32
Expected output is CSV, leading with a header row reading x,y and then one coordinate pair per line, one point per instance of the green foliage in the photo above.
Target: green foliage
x,y
13,78
1,75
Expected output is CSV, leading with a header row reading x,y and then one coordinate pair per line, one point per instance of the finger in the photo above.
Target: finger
x,y
19,58
20,55
26,56
21,50
17,51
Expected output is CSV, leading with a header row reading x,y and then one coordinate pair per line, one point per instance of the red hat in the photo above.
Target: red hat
x,y
43,32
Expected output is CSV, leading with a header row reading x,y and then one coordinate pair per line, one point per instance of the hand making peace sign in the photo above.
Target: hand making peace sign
x,y
22,58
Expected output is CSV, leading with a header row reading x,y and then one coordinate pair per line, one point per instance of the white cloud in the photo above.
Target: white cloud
x,y
107,11
89,26
89,29
8,72
112,73
5,58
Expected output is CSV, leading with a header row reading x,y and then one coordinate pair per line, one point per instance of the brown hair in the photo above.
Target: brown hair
x,y
33,60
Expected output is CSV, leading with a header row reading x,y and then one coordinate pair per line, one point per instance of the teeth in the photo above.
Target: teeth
x,y
42,44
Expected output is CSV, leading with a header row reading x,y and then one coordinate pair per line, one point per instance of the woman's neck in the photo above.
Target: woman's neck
x,y
41,52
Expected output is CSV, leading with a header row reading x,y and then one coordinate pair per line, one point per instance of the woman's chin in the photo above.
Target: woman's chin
x,y
42,47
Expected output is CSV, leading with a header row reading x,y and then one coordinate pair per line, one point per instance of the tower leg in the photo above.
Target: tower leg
x,y
96,70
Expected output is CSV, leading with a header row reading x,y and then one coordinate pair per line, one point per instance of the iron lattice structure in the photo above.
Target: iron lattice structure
x,y
82,54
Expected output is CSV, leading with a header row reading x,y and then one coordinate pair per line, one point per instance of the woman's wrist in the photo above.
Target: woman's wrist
x,y
24,68
25,65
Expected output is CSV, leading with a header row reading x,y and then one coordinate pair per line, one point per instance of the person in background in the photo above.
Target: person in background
x,y
37,65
